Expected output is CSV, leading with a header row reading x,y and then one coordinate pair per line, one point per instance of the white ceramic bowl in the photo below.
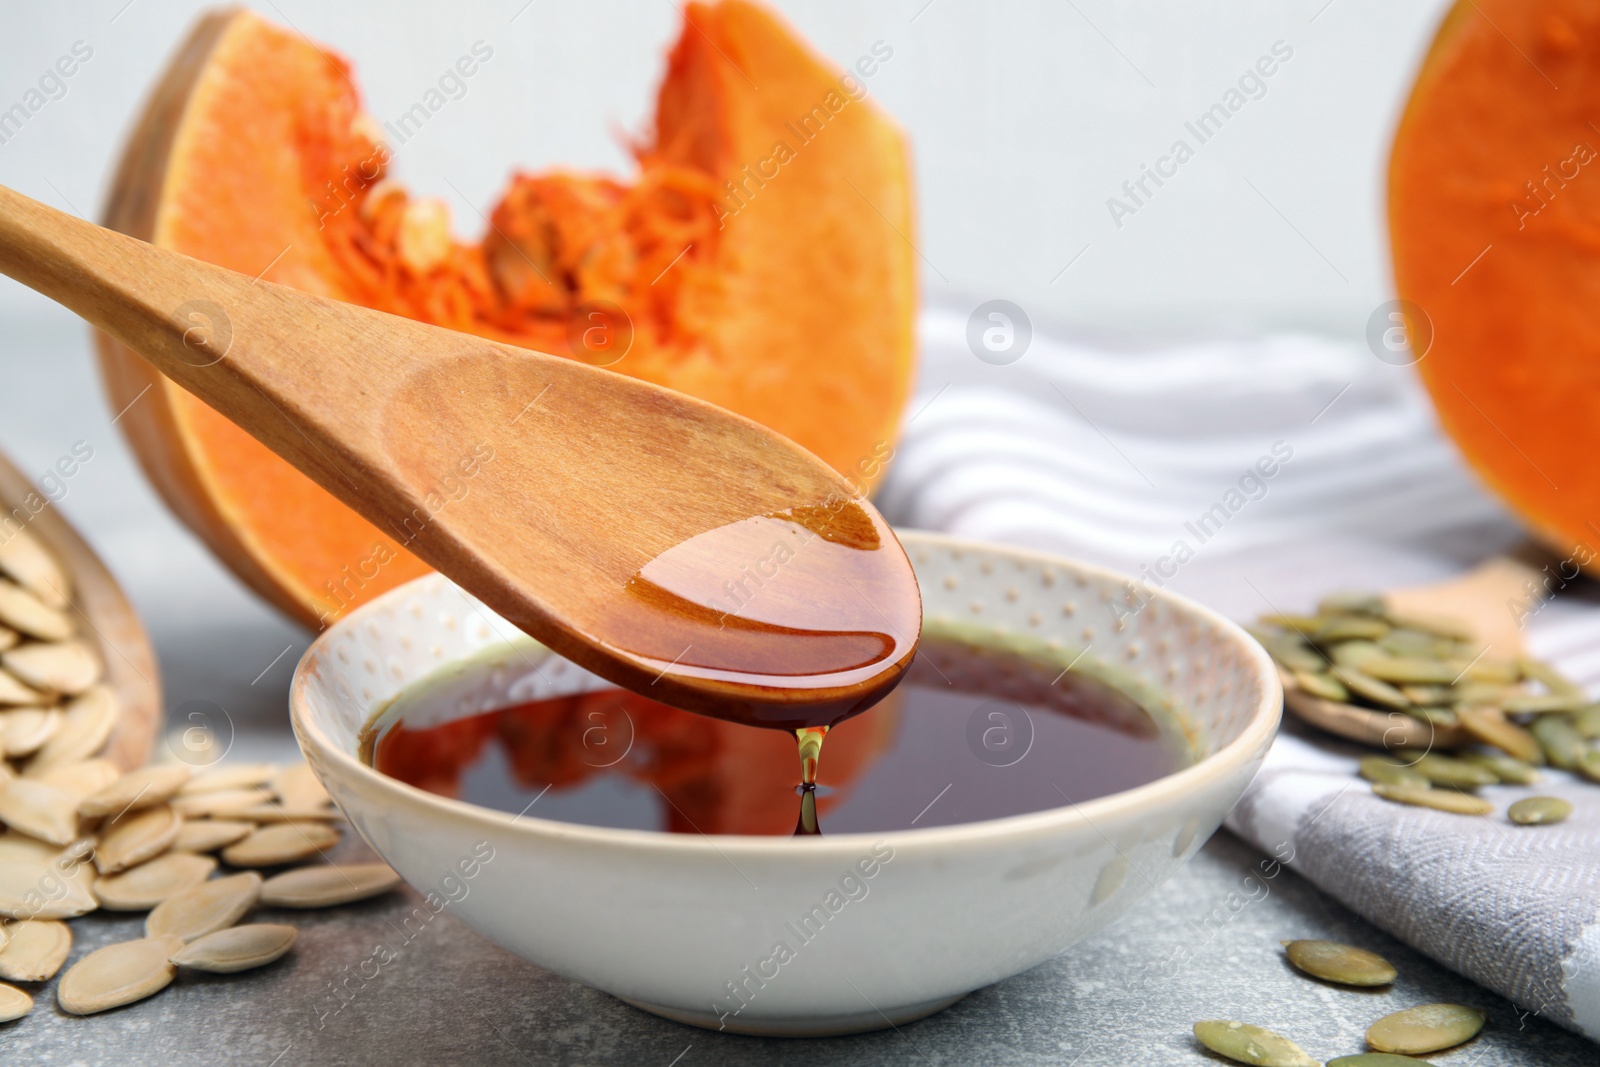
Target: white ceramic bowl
x,y
900,924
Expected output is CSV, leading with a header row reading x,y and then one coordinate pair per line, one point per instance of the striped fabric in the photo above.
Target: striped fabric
x,y
1154,461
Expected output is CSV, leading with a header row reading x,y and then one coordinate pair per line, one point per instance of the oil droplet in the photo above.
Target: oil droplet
x,y
810,742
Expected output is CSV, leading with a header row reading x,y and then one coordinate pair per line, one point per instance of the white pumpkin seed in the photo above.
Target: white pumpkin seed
x,y
118,974
1257,1045
14,1003
36,950
136,837
25,560
9,638
138,789
143,887
12,691
1439,799
26,613
325,885
230,776
35,890
81,778
237,948
14,846
88,722
26,729
280,843
297,787
1539,811
283,813
208,835
208,907
68,667
225,802
39,810
1344,964
1428,1028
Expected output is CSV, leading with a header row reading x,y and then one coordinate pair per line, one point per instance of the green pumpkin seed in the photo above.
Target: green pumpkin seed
x,y
1344,964
1562,744
1440,717
1509,771
1351,602
1371,689
1539,811
1439,799
1244,1043
1445,770
1437,625
1587,723
1417,644
1497,671
1378,769
1374,1059
1401,669
1487,693
1355,653
1491,726
1290,651
1589,764
1544,703
1322,685
1350,628
1426,1029
1429,694
1539,671
1303,624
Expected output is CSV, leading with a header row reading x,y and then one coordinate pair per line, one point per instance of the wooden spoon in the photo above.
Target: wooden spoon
x,y
668,545
1481,600
107,619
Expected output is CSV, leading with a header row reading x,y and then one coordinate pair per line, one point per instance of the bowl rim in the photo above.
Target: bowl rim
x,y
1166,791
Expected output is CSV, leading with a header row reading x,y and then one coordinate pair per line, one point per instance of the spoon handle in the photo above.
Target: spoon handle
x,y
287,366
123,286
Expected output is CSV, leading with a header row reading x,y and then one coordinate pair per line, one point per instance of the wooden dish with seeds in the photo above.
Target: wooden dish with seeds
x,y
44,558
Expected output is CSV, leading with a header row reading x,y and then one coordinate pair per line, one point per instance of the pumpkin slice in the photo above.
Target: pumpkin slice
x,y
759,258
1494,217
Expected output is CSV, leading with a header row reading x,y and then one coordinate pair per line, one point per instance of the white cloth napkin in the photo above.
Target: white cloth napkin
x,y
1155,461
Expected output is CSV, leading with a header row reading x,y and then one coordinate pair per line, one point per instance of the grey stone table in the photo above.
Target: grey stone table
x,y
1205,945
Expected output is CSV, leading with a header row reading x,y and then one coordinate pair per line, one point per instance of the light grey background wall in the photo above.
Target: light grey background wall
x,y
1025,117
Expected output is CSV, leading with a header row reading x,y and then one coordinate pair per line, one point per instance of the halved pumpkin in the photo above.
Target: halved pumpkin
x,y
760,258
1494,218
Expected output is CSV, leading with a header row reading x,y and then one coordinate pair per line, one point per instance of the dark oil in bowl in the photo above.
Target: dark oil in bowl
x,y
972,734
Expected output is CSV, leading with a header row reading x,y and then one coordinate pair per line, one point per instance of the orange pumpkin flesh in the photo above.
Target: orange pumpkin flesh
x,y
1494,212
777,282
